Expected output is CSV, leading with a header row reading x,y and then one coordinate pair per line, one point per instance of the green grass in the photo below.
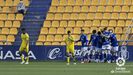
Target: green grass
x,y
60,68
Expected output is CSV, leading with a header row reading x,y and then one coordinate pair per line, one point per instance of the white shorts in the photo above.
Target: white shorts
x,y
98,49
106,47
115,48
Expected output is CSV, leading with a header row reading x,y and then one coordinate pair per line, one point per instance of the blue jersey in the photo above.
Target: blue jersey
x,y
99,41
113,39
84,40
93,39
106,38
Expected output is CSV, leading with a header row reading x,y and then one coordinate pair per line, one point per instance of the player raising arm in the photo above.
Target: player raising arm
x,y
69,47
24,48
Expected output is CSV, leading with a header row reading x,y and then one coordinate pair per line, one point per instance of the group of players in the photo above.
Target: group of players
x,y
104,46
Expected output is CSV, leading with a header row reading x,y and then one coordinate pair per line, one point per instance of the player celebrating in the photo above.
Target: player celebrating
x,y
69,47
24,48
84,41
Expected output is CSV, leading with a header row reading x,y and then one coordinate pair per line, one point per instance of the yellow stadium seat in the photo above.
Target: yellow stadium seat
x,y
8,23
123,37
79,2
39,43
123,16
63,2
44,31
109,9
53,9
119,2
82,16
47,43
112,23
104,23
62,43
19,17
88,23
50,38
101,9
3,16
63,23
16,24
68,9
111,2
118,37
66,16
10,38
95,2
98,16
6,9
16,2
112,28
52,30
96,23
60,31
114,16
100,28
1,23
125,8
74,16
76,31
90,16
76,9
71,24
130,15
84,9
55,2
47,24
13,31
86,30
76,37
64,37
11,16
125,29
60,9
103,2
127,2
2,3
128,22
3,38
9,3
93,28
1,43
71,2
55,43
69,29
118,30
117,9
55,23
41,38
106,16
50,16
58,38
26,2
5,31
79,24
93,9
120,23
131,8
58,16
87,2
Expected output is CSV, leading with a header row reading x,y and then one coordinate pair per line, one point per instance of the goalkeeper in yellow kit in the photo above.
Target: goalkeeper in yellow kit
x,y
24,48
69,47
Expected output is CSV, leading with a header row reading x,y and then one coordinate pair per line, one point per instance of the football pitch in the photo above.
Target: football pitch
x,y
60,68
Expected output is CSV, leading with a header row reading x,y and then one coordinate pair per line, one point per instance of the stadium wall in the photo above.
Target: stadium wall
x,y
43,53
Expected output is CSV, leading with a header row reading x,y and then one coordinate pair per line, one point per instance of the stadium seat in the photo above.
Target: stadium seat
x,y
84,9
109,9
119,2
3,16
9,3
95,2
112,28
69,29
79,2
41,38
16,2
44,31
130,15
53,9
82,16
112,23
58,17
71,24
71,2
6,9
76,37
1,24
63,23
62,43
60,31
5,31
60,9
58,38
39,43
104,23
88,23
8,23
50,38
131,8
87,2
2,3
16,24
55,2
1,43
76,31
63,2
47,43
117,9
86,30
96,23
55,43
3,38
93,9
74,16
128,22
127,2
52,30
106,16
19,17
11,16
55,23
118,30
125,8
10,38
111,2
123,37
76,9
26,2
66,16
123,16
68,9
50,16
121,23
64,37
13,31
47,24
126,29
103,2
79,23
90,16
93,28
98,16
114,16
101,9
118,37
